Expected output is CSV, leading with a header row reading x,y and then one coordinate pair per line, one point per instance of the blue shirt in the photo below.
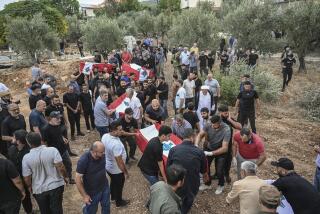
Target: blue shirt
x,y
37,119
94,173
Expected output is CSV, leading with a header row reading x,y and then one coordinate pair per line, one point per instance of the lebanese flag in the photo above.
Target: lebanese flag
x,y
87,67
139,72
146,134
120,104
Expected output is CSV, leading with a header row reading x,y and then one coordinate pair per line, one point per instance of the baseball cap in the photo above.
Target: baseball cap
x,y
269,195
55,114
285,163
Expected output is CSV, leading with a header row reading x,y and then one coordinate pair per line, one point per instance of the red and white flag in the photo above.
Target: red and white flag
x,y
139,72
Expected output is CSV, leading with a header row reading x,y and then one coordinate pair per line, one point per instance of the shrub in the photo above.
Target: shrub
x,y
311,102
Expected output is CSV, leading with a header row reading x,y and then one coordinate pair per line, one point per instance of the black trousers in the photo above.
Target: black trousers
x,y
74,120
132,145
220,167
116,187
26,203
189,100
67,163
50,202
251,115
10,207
287,75
87,115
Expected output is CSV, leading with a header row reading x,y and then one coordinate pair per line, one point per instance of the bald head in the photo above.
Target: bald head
x,y
97,150
155,104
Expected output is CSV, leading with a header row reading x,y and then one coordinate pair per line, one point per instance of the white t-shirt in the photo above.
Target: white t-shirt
x,y
135,104
189,86
181,94
113,148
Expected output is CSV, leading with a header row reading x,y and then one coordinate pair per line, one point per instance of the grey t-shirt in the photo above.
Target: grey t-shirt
x,y
36,72
39,163
217,136
100,116
213,86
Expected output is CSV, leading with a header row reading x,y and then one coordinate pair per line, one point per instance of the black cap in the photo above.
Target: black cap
x,y
283,163
55,114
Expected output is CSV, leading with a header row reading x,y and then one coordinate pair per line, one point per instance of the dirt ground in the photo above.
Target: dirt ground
x,y
283,126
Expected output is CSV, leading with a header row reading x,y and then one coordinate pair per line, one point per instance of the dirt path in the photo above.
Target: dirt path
x,y
282,125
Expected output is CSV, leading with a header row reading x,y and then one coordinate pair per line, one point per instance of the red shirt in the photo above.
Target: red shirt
x,y
252,150
126,57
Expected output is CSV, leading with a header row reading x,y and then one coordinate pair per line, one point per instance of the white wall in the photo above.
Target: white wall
x,y
193,3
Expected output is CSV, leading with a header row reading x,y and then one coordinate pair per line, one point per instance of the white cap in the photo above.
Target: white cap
x,y
204,87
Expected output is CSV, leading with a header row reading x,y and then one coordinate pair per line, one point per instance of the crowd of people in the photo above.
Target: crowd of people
x,y
38,163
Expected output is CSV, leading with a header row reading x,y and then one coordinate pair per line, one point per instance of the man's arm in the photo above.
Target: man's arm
x,y
218,91
80,187
18,183
147,118
161,167
237,107
5,133
181,103
234,194
261,159
109,112
121,165
199,137
234,123
28,182
222,150
257,104
234,148
62,170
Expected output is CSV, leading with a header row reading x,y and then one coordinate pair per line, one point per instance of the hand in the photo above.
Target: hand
x,y
66,180
87,200
234,162
206,178
316,148
208,153
65,140
154,121
23,195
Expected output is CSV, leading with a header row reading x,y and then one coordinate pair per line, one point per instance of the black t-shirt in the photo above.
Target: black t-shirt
x,y
164,88
97,58
151,156
224,59
301,195
128,126
192,118
121,91
80,79
11,124
71,99
155,115
253,58
52,108
141,97
151,92
247,99
47,100
210,60
85,99
98,83
33,99
203,60
8,192
288,63
16,156
94,173
198,84
53,136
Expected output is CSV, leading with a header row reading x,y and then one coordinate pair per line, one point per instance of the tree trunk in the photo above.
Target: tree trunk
x,y
302,64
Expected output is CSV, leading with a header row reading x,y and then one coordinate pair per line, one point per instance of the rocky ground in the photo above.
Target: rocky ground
x,y
283,126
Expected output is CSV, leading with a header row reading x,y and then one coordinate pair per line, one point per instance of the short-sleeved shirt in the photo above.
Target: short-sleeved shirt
x,y
9,191
164,88
94,173
253,58
53,136
113,148
36,72
135,104
85,99
301,195
33,99
213,86
51,108
40,164
155,115
11,124
251,150
180,130
120,91
71,99
217,136
128,126
192,118
184,57
100,116
288,63
181,94
189,86
37,119
151,92
152,154
247,99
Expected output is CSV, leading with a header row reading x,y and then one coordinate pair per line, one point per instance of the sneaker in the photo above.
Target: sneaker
x,y
219,190
81,134
123,203
204,187
88,131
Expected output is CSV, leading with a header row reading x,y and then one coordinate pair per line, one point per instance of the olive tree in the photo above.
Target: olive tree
x,y
145,23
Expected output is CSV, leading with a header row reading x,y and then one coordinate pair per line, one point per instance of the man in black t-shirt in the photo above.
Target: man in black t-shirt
x,y
129,127
163,91
191,116
86,102
151,161
224,63
203,59
12,190
122,88
197,82
150,91
52,135
10,124
35,95
245,106
252,59
98,82
72,102
79,77
287,71
154,113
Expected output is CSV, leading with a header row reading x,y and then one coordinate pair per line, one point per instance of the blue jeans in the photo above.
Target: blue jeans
x,y
152,179
102,130
104,198
317,179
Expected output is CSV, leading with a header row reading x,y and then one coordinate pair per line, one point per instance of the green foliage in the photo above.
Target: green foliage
x,y
102,34
206,6
251,23
113,8
37,35
311,102
145,23
194,25
74,30
66,7
163,24
129,5
169,5
126,23
27,9
265,83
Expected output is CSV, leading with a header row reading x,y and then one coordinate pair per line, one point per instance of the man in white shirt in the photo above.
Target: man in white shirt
x,y
184,57
116,155
180,98
214,88
189,86
135,104
204,99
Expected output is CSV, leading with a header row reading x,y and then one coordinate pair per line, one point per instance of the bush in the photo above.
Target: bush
x,y
311,102
265,83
